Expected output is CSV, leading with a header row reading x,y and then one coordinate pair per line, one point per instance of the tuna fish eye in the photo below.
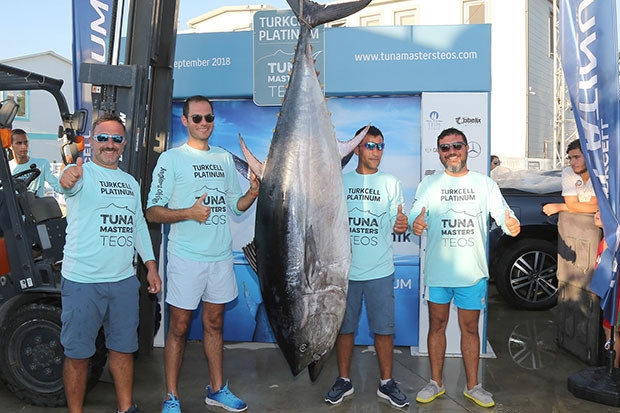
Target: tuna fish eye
x,y
303,348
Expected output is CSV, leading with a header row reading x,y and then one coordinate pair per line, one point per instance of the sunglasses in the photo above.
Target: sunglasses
x,y
372,145
209,118
445,147
104,137
497,163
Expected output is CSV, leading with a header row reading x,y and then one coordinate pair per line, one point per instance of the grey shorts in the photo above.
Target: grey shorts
x,y
188,282
87,307
379,297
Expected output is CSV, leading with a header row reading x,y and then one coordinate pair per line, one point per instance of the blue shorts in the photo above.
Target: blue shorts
x,y
188,282
87,307
379,297
466,298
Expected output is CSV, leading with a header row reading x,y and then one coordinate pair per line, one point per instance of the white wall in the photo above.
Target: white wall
x,y
509,79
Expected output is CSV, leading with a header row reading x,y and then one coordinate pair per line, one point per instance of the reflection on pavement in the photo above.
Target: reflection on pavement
x,y
532,344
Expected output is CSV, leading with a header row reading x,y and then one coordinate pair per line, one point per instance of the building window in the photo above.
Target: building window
x,y
406,17
23,100
374,20
474,12
552,33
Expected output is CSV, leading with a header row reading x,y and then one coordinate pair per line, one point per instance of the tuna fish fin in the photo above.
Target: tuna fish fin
x,y
314,368
346,148
250,254
255,165
241,166
314,14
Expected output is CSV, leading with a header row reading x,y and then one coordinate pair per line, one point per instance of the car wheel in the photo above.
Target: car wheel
x,y
527,274
31,356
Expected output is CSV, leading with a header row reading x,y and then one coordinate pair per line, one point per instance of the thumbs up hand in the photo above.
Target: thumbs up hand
x,y
512,224
72,174
401,225
419,224
200,212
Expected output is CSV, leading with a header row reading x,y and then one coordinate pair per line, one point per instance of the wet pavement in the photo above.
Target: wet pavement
x,y
528,374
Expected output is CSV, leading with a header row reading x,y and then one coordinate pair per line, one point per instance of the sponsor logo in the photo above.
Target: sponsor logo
x,y
465,120
433,122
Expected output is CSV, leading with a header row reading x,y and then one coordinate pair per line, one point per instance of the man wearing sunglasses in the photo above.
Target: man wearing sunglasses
x,y
454,207
194,186
105,226
577,189
374,200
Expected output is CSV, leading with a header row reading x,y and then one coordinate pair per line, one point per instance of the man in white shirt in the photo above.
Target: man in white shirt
x,y
577,188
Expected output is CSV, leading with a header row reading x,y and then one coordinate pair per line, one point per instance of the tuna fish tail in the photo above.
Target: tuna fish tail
x,y
314,14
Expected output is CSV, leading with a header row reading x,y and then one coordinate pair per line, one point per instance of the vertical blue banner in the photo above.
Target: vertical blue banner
x,y
92,22
589,53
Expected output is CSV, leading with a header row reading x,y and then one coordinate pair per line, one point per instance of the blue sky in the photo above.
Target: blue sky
x,y
49,23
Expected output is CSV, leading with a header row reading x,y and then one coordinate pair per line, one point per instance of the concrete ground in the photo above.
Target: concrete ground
x,y
529,374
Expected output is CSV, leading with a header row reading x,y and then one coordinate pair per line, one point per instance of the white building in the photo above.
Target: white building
x,y
39,115
522,60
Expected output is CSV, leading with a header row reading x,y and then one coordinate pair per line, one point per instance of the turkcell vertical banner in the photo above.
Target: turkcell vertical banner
x,y
589,53
92,22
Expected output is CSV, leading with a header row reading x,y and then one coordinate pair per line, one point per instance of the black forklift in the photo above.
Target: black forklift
x,y
32,230
32,237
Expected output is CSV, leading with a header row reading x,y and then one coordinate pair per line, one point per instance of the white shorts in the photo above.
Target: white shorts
x,y
190,281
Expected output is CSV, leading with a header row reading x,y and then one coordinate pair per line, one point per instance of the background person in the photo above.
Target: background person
x,y
22,161
577,189
193,188
371,277
454,207
495,162
105,225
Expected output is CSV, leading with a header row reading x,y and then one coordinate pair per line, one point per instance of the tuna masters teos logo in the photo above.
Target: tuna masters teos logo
x,y
433,122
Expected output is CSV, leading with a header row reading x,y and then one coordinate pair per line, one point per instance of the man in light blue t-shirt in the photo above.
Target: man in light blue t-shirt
x,y
22,162
105,227
374,201
453,206
193,189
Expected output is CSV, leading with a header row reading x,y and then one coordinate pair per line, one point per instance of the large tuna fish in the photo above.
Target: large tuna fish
x,y
302,232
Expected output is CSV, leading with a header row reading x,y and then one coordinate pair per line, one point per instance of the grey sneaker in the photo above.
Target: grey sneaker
x,y
430,392
390,391
479,396
339,390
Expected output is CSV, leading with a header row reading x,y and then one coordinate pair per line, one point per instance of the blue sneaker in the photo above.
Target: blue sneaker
x,y
339,391
225,399
390,392
172,405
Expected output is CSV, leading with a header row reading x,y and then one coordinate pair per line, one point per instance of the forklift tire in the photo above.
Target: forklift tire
x,y
31,356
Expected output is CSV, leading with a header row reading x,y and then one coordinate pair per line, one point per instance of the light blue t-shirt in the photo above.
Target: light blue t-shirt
x,y
183,175
372,202
457,215
105,224
38,185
